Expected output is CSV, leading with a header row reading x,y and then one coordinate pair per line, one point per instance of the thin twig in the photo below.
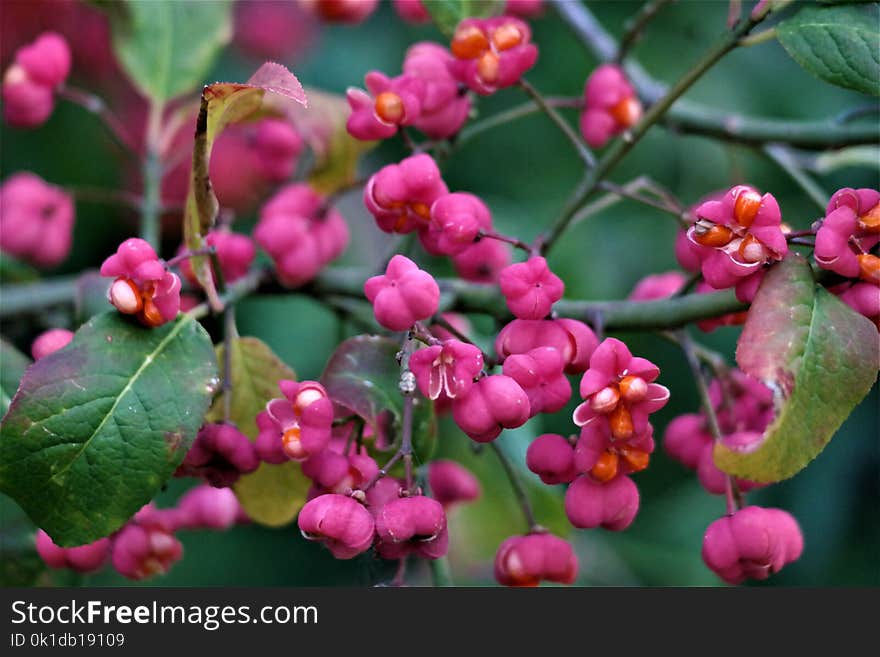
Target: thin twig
x,y
636,26
519,488
575,139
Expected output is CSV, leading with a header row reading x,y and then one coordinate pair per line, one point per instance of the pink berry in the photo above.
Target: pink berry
x,y
850,212
272,30
29,84
448,369
83,559
619,391
403,295
685,439
740,233
864,298
220,454
143,287
551,457
298,235
412,525
530,288
412,11
527,560
482,262
139,552
451,483
573,339
444,108
207,507
492,53
753,543
456,220
50,341
341,11
235,252
610,105
540,374
334,472
612,505
390,103
400,195
658,286
493,403
302,421
338,521
36,224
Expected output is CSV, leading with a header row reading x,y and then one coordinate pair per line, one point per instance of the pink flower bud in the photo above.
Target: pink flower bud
x,y
400,195
448,369
491,53
551,457
530,288
298,235
206,507
382,492
83,559
403,295
540,374
235,252
412,11
456,219
390,103
610,105
483,262
143,287
412,525
493,403
444,108
36,224
50,341
658,286
612,505
338,521
864,298
527,560
753,543
303,421
139,552
451,483
220,454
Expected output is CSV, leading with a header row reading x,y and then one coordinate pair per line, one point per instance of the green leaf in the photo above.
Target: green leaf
x,y
13,364
817,355
274,494
839,44
96,429
272,89
447,14
363,376
168,47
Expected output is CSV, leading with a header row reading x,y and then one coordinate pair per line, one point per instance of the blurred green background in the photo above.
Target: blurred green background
x,y
524,171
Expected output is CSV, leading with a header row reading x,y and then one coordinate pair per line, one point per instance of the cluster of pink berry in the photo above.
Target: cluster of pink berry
x,y
146,545
431,93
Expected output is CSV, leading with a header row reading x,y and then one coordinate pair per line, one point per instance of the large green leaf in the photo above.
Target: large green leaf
x,y
447,14
13,364
839,44
167,47
274,494
96,429
818,356
363,376
270,90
